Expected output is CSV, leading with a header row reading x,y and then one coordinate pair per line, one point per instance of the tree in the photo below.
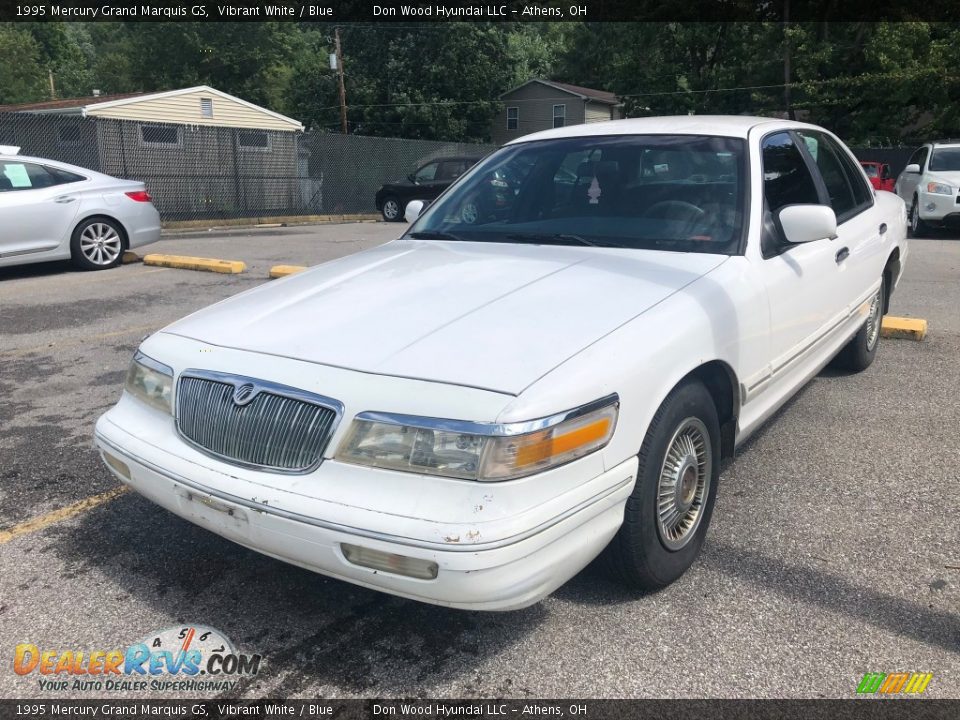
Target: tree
x,y
22,76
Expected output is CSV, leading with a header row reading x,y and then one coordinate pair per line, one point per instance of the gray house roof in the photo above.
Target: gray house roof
x,y
600,96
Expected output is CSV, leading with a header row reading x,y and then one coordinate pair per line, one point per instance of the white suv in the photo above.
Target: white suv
x,y
929,184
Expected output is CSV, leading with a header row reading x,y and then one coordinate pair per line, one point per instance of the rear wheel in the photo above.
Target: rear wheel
x,y
669,511
391,210
97,244
858,354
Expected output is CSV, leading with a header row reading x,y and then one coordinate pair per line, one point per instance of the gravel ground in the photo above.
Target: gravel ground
x,y
833,550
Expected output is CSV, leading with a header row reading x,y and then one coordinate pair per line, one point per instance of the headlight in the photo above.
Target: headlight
x,y
478,451
939,188
150,381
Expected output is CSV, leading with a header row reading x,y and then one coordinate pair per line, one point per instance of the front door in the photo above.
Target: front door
x,y
36,211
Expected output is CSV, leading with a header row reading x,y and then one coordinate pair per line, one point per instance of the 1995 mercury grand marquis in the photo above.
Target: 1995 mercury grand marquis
x,y
550,363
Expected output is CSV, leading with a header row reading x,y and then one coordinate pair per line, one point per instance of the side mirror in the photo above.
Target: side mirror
x,y
414,208
808,223
912,168
413,178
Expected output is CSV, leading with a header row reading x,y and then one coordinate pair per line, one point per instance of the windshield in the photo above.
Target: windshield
x,y
945,159
870,169
666,192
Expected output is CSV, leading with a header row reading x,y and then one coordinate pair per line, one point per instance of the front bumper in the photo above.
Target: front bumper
x,y
505,565
937,209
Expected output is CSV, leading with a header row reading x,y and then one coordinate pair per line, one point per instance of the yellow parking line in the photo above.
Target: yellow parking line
x,y
39,523
74,341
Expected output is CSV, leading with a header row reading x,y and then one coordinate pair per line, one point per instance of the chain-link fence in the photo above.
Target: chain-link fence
x,y
198,172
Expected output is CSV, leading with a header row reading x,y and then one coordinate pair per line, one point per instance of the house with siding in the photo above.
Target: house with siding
x,y
544,104
201,151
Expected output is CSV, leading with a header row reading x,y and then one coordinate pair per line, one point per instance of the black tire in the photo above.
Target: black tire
x,y
639,554
858,354
98,243
918,228
392,209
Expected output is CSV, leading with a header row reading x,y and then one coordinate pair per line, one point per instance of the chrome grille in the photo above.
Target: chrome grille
x,y
254,423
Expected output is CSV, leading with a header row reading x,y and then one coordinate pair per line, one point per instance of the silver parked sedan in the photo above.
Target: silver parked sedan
x,y
54,211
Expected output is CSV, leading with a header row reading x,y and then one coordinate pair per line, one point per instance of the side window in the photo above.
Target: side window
x,y
786,179
62,177
24,176
426,173
919,157
862,190
842,199
450,170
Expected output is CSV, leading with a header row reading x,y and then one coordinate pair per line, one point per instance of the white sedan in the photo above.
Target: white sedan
x,y
468,415
54,211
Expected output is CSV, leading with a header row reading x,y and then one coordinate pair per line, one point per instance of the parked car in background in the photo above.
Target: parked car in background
x,y
469,414
425,183
54,211
929,186
878,174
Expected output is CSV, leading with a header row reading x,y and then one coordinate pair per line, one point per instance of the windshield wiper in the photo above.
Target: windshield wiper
x,y
547,239
433,235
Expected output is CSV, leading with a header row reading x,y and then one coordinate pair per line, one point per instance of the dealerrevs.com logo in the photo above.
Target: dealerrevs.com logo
x,y
189,658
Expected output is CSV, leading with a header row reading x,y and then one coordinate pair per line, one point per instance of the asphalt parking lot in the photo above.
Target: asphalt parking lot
x,y
834,549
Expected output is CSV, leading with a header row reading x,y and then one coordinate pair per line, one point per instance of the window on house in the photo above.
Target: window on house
x,y
513,118
559,115
254,139
206,107
166,135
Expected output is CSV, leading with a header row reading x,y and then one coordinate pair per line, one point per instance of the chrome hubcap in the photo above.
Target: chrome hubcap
x,y
914,218
874,320
100,243
391,209
684,484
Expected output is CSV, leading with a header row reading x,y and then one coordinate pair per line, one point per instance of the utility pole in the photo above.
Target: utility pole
x,y
343,92
787,70
53,89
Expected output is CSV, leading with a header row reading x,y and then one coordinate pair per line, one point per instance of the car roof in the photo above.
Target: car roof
x,y
57,164
736,126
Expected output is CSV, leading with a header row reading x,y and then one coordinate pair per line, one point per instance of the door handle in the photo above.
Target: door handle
x,y
64,199
883,228
842,254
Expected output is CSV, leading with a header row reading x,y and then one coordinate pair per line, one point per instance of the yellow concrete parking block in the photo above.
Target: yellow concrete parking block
x,y
904,328
279,271
184,262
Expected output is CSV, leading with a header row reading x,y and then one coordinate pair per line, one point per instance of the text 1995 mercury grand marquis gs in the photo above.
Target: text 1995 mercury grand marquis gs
x,y
468,415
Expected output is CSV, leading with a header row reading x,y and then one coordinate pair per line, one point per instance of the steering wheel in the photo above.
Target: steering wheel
x,y
674,210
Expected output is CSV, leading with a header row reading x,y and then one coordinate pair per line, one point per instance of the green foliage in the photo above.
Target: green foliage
x,y
878,83
22,76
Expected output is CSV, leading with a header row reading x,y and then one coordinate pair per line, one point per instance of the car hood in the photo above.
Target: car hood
x,y
949,177
487,315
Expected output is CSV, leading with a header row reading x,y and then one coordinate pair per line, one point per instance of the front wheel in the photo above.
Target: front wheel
x,y
918,228
97,244
669,511
858,354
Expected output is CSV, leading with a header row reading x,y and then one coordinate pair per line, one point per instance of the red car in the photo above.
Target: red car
x,y
879,174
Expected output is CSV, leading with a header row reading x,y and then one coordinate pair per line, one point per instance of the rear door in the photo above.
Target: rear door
x,y
37,207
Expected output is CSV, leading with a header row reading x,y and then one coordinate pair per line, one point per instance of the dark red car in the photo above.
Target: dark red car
x,y
879,174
